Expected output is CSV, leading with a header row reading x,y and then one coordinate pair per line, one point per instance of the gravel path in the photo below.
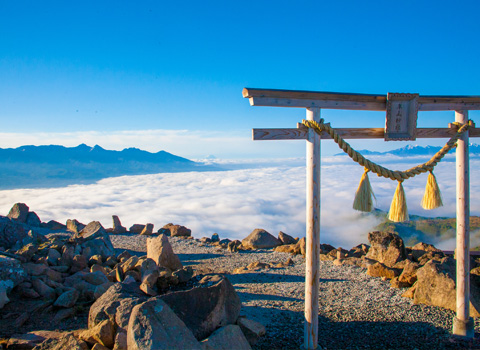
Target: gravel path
x,y
356,311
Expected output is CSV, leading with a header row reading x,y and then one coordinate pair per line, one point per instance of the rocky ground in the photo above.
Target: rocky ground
x,y
85,287
357,311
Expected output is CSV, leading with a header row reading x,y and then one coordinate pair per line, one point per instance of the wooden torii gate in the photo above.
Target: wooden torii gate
x,y
400,125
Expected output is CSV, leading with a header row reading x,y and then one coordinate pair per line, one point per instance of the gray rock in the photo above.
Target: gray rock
x,y
43,289
117,225
251,329
67,299
53,256
93,230
227,338
19,212
153,325
215,238
175,230
96,278
10,232
33,219
386,247
160,250
260,239
286,239
205,308
183,275
136,228
99,246
11,269
54,225
116,303
74,226
147,230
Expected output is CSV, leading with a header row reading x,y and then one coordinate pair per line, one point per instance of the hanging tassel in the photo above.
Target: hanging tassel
x,y
432,198
398,209
363,197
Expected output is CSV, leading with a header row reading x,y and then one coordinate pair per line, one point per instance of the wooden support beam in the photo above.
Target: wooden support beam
x,y
352,133
463,323
312,259
336,100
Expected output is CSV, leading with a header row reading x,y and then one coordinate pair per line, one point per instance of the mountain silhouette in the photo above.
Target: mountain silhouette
x,y
55,166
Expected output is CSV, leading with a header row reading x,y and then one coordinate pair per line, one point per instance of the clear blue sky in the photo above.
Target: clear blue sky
x,y
107,67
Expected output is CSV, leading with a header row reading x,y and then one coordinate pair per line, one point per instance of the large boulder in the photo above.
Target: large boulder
x,y
10,232
11,275
386,247
33,219
153,325
260,239
19,212
93,230
99,246
160,250
175,230
436,286
205,308
116,303
286,239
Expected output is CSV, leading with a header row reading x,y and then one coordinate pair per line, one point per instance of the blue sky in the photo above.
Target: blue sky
x,y
169,75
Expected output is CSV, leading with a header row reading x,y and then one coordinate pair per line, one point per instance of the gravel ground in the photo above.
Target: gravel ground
x,y
356,311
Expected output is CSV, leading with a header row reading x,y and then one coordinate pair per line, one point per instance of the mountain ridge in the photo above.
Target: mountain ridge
x,y
413,150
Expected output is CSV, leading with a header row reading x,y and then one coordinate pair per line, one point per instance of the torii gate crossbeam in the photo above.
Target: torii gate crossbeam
x,y
313,102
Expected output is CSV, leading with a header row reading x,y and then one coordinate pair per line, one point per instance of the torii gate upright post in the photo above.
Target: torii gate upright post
x,y
313,102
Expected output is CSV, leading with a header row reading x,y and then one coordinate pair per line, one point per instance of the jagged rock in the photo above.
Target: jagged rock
x,y
34,269
99,246
396,283
53,257
98,346
68,341
18,212
32,237
63,314
136,228
421,248
116,303
431,255
96,278
175,230
95,260
386,247
54,225
215,237
75,226
101,289
117,225
233,246
129,264
410,293
183,275
147,230
160,250
252,330
436,286
224,338
286,239
125,255
380,270
120,341
153,325
409,273
260,239
79,263
33,219
103,333
28,251
10,232
205,308
93,230
43,289
67,299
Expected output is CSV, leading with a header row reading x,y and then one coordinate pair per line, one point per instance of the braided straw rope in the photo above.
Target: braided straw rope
x,y
378,169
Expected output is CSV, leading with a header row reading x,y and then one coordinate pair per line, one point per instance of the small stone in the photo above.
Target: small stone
x,y
67,299
251,329
103,333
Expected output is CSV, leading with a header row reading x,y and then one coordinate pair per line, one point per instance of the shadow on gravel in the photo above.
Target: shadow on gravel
x,y
268,297
285,331
262,277
192,258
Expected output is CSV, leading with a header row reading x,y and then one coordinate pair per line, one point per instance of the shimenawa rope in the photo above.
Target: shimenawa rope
x,y
398,209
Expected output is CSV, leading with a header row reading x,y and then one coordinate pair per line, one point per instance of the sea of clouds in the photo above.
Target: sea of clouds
x,y
269,195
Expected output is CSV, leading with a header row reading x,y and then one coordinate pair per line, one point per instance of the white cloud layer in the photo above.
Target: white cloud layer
x,y
233,203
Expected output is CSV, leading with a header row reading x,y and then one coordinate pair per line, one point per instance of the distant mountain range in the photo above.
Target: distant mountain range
x,y
409,151
56,166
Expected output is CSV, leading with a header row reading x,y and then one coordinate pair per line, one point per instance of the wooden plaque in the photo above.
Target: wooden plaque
x,y
401,122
